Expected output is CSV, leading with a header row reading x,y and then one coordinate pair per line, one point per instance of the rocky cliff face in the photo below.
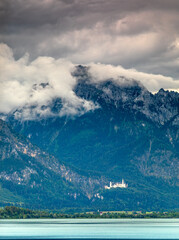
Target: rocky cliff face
x,y
160,108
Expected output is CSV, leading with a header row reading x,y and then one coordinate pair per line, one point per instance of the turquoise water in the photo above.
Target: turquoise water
x,y
90,228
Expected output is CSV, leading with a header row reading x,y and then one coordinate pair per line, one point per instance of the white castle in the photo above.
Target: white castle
x,y
117,185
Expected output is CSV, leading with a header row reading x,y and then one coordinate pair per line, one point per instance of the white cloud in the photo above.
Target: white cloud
x,y
152,82
20,85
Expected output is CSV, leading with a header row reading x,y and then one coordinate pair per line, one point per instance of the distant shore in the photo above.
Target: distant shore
x,y
12,212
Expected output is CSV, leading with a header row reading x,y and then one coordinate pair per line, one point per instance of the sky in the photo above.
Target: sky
x,y
136,38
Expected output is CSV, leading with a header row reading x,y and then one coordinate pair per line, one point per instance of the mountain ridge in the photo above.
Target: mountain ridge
x,y
131,134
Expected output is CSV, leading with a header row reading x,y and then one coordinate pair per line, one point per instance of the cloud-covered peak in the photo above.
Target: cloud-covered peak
x,y
31,87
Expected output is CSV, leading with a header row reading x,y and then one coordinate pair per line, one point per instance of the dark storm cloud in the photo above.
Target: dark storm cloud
x,y
132,33
35,13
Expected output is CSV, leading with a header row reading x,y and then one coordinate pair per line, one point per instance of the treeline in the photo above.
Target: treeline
x,y
12,212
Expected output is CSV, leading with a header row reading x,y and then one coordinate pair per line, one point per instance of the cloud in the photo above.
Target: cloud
x,y
134,34
32,86
100,72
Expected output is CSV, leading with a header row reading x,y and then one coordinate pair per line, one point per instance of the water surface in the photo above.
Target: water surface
x,y
90,229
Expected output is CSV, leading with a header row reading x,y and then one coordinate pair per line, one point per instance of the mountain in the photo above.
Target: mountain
x,y
130,134
31,177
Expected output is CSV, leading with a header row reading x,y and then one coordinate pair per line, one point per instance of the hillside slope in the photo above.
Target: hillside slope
x,y
32,177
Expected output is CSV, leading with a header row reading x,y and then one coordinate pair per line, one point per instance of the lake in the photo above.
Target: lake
x,y
90,229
